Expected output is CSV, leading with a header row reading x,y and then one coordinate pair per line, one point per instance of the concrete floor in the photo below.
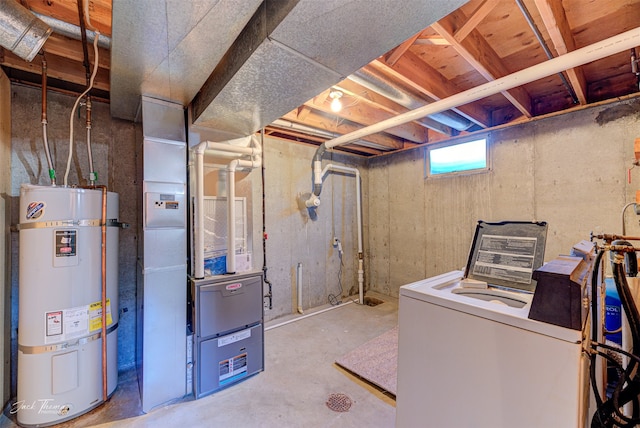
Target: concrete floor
x,y
292,391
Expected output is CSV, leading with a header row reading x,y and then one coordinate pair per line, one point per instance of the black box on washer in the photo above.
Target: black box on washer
x,y
561,295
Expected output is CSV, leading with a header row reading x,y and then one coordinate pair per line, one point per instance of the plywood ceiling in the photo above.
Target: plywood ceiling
x,y
479,42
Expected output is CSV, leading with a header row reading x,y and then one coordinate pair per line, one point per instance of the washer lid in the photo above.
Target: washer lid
x,y
505,254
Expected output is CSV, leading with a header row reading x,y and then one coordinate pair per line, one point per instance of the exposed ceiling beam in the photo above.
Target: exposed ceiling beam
x,y
57,68
324,123
477,52
288,134
72,49
366,115
395,54
303,112
555,21
478,15
431,40
414,72
365,95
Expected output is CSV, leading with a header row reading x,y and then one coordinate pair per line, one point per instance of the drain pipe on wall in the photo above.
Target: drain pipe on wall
x,y
314,201
299,287
237,148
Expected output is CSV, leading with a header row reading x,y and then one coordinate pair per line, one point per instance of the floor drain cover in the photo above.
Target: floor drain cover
x,y
372,301
339,402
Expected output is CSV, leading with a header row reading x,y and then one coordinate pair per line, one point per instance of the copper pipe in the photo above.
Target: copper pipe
x,y
612,237
45,139
103,270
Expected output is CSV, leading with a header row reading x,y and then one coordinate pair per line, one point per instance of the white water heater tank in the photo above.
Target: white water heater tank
x,y
60,303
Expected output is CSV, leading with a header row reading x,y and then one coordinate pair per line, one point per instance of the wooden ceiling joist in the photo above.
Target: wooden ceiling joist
x,y
58,67
477,52
555,21
72,49
324,123
365,95
414,72
480,13
395,54
364,114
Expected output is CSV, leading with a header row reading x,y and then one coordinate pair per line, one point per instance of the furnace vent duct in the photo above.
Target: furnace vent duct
x,y
20,31
73,31
376,82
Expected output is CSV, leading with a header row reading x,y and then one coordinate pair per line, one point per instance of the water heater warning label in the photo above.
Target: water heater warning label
x,y
54,323
65,243
74,323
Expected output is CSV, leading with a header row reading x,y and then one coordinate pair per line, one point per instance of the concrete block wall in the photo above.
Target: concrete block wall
x,y
568,170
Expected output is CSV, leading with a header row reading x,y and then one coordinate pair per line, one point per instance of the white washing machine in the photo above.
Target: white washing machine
x,y
473,358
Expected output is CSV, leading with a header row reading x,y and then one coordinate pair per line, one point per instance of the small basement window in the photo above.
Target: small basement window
x,y
467,157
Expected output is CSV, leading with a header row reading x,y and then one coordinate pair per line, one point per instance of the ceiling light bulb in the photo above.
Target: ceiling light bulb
x,y
336,104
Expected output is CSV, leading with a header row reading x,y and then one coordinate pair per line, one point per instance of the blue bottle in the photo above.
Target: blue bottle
x,y
613,312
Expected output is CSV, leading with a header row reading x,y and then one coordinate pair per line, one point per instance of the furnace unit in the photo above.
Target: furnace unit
x,y
227,318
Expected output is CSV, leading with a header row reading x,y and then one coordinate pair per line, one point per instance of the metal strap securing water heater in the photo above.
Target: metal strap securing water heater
x,y
71,223
65,345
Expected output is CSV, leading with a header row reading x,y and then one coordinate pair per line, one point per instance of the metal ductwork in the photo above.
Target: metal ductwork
x,y
322,133
292,50
73,31
166,49
376,82
246,63
20,31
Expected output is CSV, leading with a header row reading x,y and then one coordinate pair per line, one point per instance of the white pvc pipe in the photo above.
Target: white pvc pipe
x,y
225,147
355,172
349,170
299,287
271,327
255,162
231,206
610,46
198,235
231,216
